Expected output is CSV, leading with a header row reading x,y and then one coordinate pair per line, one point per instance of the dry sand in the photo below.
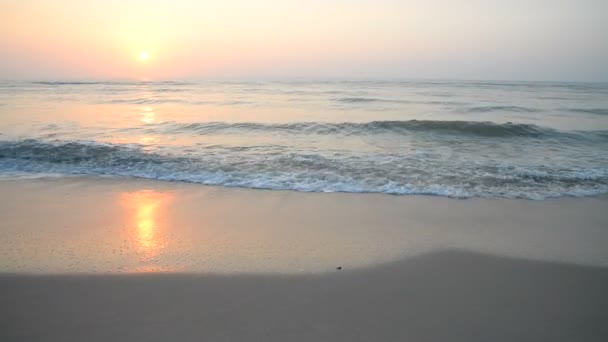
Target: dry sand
x,y
80,261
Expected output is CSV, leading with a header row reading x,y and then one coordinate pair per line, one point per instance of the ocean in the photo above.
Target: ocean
x,y
460,139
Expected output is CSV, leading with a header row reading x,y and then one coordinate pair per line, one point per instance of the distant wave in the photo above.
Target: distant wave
x,y
488,109
127,83
142,101
54,83
473,128
356,99
161,100
596,111
363,100
304,171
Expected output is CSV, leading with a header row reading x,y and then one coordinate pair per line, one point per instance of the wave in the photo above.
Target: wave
x,y
362,100
142,101
305,170
596,111
471,128
356,99
488,109
57,83
126,83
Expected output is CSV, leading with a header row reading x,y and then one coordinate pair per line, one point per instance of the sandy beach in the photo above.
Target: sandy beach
x,y
122,259
340,171
445,296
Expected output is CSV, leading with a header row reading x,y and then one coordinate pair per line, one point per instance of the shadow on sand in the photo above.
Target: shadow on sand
x,y
446,296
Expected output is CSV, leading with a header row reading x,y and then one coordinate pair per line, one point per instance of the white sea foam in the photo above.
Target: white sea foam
x,y
311,171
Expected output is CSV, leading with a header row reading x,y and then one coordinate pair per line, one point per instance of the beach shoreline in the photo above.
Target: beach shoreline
x,y
129,259
226,171
89,224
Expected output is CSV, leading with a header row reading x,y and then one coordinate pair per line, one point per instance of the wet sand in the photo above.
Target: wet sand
x,y
106,225
126,260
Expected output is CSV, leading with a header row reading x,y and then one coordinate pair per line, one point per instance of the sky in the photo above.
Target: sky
x,y
565,40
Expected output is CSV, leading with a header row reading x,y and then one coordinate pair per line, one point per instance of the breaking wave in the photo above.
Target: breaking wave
x,y
305,170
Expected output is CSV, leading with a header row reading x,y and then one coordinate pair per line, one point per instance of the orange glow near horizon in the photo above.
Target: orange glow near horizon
x,y
242,38
146,220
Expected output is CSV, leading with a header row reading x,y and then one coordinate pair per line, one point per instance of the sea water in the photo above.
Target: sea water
x,y
459,139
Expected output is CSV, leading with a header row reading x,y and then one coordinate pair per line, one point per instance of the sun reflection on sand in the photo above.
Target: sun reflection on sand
x,y
146,221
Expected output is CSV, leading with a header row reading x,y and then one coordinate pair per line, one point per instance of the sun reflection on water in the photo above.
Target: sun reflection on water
x,y
148,115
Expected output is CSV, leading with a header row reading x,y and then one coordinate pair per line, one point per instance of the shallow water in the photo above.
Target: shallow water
x,y
457,139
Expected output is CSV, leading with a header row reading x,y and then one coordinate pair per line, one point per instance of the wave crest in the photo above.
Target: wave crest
x,y
473,128
489,109
596,111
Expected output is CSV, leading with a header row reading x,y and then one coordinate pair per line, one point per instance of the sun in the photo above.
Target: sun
x,y
144,55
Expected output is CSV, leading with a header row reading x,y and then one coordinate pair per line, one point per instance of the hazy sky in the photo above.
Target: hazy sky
x,y
465,39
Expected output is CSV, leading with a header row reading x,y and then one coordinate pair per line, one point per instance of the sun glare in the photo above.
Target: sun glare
x,y
144,55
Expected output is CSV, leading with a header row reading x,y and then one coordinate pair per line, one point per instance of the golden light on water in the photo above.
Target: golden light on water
x,y
147,216
148,115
